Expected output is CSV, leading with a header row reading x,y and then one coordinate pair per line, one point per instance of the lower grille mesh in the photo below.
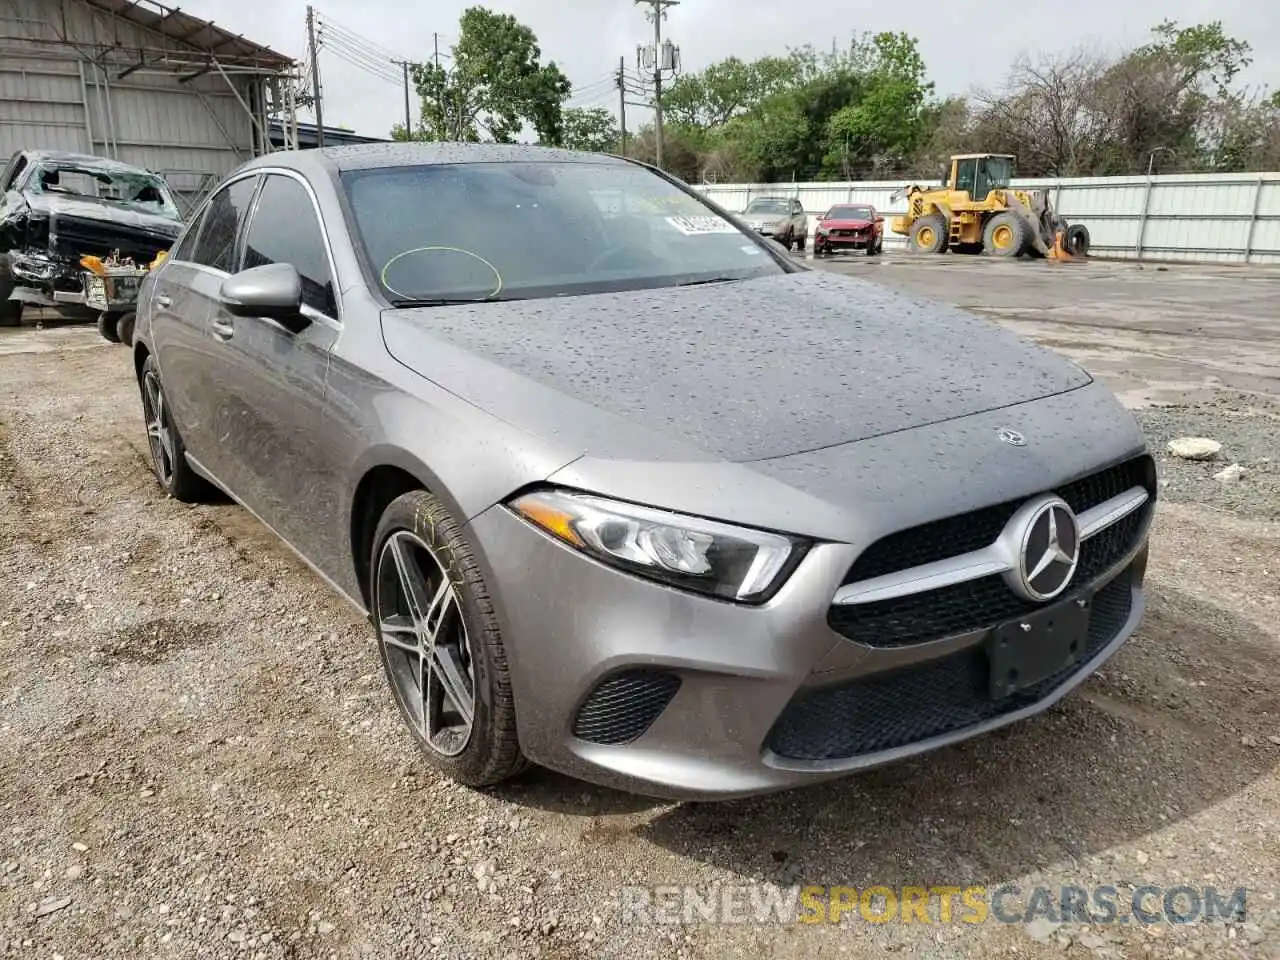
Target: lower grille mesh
x,y
624,706
934,698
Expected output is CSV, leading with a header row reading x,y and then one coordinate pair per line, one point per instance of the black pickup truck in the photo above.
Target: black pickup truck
x,y
56,208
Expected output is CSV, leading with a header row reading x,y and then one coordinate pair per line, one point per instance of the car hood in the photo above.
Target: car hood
x,y
739,371
846,224
91,208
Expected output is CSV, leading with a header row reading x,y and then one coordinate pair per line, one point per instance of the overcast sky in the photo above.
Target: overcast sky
x,y
586,37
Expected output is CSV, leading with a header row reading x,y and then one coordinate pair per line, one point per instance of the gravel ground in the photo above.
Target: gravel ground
x,y
199,757
1247,426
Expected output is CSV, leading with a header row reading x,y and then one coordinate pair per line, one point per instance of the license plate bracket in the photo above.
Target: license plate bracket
x,y
1034,647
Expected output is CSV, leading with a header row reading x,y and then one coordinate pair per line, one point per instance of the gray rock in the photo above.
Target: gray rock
x,y
1194,448
1232,474
52,905
1040,929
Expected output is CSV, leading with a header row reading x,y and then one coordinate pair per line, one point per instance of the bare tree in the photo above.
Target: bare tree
x,y
1047,113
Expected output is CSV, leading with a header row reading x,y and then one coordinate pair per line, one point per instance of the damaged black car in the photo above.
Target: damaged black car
x,y
57,209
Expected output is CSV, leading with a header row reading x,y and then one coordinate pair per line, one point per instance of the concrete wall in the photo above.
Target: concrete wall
x,y
53,96
1229,218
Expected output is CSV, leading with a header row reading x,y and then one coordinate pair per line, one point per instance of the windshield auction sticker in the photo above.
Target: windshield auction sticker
x,y
693,225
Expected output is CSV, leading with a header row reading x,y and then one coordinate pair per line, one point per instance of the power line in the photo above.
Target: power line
x,y
374,47
351,54
332,41
379,74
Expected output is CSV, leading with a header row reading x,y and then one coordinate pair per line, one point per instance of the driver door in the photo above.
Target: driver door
x,y
272,415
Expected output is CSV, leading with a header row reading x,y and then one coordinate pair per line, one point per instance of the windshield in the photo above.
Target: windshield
x,y
138,190
850,213
768,206
479,231
999,171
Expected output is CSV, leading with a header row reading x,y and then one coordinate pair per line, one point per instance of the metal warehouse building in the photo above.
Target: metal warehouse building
x,y
140,82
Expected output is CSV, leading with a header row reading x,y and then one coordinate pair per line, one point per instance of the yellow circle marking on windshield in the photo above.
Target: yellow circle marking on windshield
x,y
475,256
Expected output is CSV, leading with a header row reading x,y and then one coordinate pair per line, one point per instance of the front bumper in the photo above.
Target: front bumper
x,y
44,280
826,241
633,685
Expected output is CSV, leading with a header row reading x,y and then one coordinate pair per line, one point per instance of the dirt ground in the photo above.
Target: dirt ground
x,y
199,758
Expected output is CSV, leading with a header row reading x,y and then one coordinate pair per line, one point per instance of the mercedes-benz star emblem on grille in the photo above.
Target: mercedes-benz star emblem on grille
x,y
1012,437
1049,551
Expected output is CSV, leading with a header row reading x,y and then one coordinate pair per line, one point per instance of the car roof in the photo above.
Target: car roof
x,y
105,164
371,156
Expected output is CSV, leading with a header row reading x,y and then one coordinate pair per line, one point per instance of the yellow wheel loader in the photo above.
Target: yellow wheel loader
x,y
976,211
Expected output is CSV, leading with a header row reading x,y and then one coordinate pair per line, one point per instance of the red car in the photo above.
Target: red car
x,y
849,226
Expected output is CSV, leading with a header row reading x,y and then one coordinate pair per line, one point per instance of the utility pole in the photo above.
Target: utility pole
x,y
435,43
408,117
657,12
315,74
622,100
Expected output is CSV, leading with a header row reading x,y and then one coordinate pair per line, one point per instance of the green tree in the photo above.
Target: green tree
x,y
590,128
886,123
725,90
496,85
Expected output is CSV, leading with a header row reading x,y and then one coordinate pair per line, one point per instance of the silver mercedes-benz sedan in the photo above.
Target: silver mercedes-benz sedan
x,y
624,490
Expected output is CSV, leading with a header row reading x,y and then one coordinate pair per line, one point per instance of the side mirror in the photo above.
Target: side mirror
x,y
879,219
273,291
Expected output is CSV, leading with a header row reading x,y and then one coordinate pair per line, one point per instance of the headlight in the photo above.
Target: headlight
x,y
733,563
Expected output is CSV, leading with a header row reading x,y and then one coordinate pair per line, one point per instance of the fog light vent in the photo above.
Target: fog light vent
x,y
625,705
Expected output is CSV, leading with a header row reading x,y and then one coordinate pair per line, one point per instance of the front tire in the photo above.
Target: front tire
x,y
929,234
168,454
1005,235
10,310
441,644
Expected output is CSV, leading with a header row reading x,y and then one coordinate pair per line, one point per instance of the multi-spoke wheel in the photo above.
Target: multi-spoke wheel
x,y
425,640
440,643
168,455
159,432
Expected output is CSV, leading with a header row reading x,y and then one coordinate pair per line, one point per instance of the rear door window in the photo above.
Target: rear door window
x,y
186,246
216,246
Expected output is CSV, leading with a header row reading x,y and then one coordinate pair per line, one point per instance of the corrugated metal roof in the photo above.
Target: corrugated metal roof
x,y
201,35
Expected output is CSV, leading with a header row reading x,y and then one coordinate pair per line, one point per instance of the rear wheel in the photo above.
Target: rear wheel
x,y
107,327
929,234
168,454
441,645
124,328
1005,235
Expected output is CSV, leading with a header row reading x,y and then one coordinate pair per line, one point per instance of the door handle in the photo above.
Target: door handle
x,y
222,328
162,301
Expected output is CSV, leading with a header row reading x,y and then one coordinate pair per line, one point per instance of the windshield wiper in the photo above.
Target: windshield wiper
x,y
447,301
699,283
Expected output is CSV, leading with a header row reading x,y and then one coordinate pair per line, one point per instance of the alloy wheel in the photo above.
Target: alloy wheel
x,y
425,643
159,428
